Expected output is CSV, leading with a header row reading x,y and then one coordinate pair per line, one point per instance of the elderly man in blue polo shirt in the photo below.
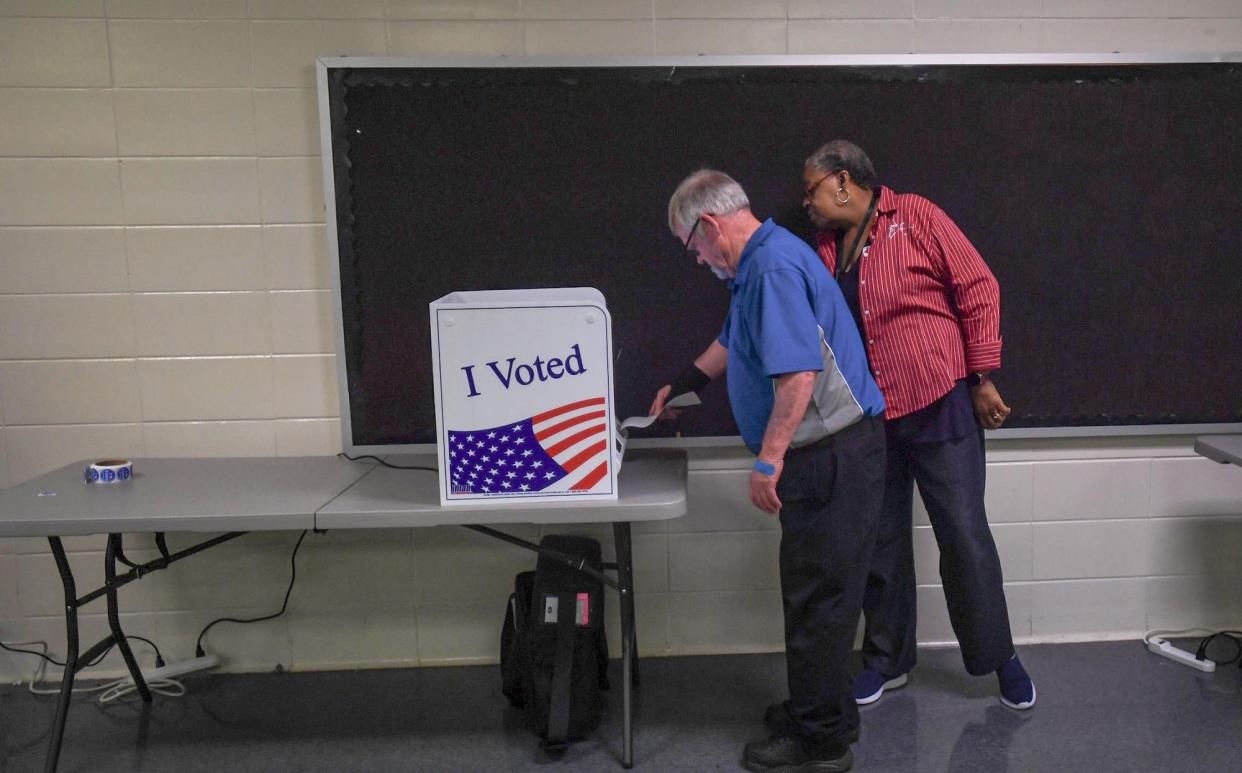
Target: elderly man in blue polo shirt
x,y
808,409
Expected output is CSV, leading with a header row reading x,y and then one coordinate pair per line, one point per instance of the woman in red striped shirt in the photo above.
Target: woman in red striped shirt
x,y
928,309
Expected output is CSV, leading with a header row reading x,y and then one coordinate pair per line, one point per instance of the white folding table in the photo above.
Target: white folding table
x,y
238,495
1226,449
652,486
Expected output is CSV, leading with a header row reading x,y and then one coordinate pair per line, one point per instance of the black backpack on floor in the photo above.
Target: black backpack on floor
x,y
553,651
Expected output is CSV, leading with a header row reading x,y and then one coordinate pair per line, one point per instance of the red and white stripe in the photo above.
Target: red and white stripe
x,y
931,306
575,435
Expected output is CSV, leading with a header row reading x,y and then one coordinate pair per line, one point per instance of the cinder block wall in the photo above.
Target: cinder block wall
x,y
164,293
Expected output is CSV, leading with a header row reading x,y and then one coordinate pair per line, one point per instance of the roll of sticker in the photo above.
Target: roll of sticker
x,y
109,471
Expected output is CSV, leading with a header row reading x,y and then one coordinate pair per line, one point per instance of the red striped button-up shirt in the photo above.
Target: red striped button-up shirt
x,y
930,305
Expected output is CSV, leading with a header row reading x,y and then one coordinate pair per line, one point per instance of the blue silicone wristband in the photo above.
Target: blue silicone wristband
x,y
767,468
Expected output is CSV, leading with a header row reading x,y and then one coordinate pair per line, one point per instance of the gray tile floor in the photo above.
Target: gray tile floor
x,y
1102,707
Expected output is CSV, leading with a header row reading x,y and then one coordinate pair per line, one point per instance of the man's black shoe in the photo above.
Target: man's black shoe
x,y
778,722
784,754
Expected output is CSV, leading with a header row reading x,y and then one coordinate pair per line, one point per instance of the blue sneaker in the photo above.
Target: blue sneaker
x,y
1017,689
870,685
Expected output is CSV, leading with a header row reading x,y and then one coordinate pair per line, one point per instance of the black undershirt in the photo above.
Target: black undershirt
x,y
848,280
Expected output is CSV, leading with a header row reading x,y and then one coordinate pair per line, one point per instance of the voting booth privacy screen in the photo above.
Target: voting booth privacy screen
x,y
1103,195
523,395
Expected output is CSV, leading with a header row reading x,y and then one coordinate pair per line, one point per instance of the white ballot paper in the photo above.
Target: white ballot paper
x,y
683,400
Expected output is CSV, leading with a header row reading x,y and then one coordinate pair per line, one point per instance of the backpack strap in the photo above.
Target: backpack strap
x,y
562,672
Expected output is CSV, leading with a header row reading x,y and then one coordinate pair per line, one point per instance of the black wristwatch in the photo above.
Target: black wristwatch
x,y
975,379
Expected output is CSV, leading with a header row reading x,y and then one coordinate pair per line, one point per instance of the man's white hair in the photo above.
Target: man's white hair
x,y
706,192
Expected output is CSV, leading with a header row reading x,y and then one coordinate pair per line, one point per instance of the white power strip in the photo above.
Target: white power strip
x,y
179,668
1178,655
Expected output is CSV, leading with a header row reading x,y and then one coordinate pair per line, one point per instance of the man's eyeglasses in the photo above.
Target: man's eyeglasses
x,y
809,193
690,250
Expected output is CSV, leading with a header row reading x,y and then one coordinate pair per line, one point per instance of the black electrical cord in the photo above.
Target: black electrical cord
x,y
387,464
159,659
293,576
51,659
1232,636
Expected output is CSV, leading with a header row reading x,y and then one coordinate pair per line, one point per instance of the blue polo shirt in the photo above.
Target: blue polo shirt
x,y
788,315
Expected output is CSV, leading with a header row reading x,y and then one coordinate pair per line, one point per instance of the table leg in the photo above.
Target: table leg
x,y
625,577
74,659
114,618
71,654
629,638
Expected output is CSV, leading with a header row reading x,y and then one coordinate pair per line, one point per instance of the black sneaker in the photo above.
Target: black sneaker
x,y
783,754
778,722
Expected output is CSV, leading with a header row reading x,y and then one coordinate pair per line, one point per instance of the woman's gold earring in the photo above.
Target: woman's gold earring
x,y
841,202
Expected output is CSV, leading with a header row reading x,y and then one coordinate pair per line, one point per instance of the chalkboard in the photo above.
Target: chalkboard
x,y
1103,196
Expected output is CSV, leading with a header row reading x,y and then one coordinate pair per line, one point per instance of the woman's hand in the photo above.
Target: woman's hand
x,y
990,409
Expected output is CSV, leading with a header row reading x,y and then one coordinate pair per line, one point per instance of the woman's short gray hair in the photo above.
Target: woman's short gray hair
x,y
843,154
706,192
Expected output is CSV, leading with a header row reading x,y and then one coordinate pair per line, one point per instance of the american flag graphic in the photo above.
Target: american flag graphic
x,y
562,449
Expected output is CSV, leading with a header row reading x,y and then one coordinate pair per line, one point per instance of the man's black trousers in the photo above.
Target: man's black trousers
x,y
831,494
950,475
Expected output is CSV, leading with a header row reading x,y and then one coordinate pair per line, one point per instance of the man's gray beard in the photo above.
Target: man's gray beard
x,y
720,273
